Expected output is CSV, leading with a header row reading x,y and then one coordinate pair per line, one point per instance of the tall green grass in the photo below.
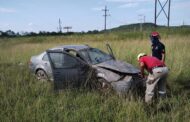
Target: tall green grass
x,y
23,98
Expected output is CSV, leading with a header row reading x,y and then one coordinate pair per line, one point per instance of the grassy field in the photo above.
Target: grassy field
x,y
23,98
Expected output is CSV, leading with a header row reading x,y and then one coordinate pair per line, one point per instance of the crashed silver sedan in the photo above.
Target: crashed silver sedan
x,y
78,65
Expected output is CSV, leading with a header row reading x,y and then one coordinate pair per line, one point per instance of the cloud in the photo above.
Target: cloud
x,y
128,1
144,10
5,25
30,24
7,10
120,1
129,5
180,5
98,8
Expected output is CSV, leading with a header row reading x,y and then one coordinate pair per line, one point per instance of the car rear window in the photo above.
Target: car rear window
x,y
45,58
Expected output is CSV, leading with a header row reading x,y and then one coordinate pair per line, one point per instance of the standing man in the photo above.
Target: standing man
x,y
157,75
158,48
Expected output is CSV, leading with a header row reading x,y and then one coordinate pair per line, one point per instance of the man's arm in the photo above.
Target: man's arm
x,y
163,53
142,66
152,50
163,57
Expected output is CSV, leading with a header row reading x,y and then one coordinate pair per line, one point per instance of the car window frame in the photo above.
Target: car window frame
x,y
45,55
79,61
90,57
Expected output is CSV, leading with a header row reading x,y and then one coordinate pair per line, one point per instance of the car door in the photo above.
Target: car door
x,y
46,65
65,69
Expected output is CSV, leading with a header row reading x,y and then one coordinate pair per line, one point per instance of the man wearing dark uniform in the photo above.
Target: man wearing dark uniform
x,y
158,48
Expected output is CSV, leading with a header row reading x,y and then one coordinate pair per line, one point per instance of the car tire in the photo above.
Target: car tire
x,y
41,75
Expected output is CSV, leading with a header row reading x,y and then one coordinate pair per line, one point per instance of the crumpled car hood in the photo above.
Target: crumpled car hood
x,y
119,66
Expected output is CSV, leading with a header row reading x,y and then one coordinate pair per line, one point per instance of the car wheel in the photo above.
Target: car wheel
x,y
41,75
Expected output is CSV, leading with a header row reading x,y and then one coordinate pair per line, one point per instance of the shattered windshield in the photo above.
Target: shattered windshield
x,y
95,56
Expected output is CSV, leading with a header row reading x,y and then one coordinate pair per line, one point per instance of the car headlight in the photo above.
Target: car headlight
x,y
101,75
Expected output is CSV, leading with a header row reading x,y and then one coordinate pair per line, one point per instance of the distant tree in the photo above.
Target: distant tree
x,y
42,33
82,32
93,32
10,33
53,33
1,33
32,34
17,34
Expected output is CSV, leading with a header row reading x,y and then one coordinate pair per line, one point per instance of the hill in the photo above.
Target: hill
x,y
145,27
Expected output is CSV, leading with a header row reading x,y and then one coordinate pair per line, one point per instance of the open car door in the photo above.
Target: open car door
x,y
66,69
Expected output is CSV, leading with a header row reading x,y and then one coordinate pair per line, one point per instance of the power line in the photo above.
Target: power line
x,y
105,15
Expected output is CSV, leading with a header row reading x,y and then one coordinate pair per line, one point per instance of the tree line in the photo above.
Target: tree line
x,y
10,33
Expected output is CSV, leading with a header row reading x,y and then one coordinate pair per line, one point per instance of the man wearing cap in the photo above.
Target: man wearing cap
x,y
157,75
158,48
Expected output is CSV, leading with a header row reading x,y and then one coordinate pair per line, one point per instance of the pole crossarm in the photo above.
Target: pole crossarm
x,y
163,6
67,28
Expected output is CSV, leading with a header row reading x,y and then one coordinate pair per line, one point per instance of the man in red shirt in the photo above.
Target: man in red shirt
x,y
157,75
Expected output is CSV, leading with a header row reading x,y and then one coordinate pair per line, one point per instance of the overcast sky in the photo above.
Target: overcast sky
x,y
84,15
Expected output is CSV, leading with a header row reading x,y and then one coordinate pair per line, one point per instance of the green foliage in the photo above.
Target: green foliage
x,y
23,98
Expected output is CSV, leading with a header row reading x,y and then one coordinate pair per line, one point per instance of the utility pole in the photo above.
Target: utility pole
x,y
157,14
105,19
67,28
141,21
60,27
169,4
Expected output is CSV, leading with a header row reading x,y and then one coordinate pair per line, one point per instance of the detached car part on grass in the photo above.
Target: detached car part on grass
x,y
78,65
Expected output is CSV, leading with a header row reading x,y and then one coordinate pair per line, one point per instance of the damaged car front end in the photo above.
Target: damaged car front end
x,y
121,76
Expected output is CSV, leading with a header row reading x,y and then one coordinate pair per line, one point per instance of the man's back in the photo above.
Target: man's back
x,y
157,50
151,62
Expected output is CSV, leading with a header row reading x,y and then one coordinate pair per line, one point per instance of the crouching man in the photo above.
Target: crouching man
x,y
156,78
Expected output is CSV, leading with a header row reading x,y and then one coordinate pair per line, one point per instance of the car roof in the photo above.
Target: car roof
x,y
71,47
